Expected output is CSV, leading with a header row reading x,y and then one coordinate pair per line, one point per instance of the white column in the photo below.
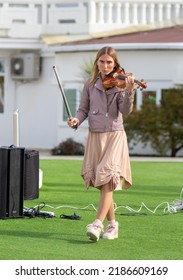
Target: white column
x,y
152,13
177,11
101,12
16,132
181,10
92,11
109,12
118,12
168,11
135,13
143,14
126,13
160,12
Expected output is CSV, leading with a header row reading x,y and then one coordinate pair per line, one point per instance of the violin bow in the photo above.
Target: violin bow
x,y
62,92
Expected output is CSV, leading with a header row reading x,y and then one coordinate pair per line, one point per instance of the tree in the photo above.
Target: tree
x,y
161,126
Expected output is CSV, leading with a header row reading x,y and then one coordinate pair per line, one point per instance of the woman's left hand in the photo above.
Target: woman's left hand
x,y
130,84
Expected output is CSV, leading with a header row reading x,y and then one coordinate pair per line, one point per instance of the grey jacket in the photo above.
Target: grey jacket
x,y
104,108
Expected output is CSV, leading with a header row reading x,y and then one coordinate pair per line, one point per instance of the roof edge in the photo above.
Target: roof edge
x,y
121,46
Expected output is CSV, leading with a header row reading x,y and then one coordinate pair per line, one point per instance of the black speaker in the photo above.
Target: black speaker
x,y
11,181
31,178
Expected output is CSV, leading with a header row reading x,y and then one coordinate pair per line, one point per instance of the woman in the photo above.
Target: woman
x,y
106,162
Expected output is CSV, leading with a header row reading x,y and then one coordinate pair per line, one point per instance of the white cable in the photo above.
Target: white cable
x,y
178,204
170,208
66,206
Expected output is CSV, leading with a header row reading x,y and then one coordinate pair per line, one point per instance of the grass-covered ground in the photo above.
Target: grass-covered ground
x,y
147,234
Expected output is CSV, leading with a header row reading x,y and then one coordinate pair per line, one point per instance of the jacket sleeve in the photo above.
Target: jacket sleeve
x,y
82,112
125,102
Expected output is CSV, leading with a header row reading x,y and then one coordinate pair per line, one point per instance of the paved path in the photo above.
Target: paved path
x,y
162,159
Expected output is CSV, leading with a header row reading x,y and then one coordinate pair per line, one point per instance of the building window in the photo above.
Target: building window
x,y
1,85
149,97
146,96
73,98
1,65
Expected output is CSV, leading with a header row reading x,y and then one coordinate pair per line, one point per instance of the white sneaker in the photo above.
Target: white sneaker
x,y
94,231
111,231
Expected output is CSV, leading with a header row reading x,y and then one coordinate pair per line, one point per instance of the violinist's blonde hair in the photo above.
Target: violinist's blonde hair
x,y
105,50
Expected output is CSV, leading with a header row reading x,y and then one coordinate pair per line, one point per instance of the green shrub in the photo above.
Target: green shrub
x,y
68,147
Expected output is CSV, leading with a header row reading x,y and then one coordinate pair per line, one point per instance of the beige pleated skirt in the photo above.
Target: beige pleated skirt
x,y
106,158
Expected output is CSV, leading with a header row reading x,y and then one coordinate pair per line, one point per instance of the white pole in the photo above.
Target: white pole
x,y
16,132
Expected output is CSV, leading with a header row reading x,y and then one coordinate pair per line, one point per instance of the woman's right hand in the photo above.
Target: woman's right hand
x,y
73,122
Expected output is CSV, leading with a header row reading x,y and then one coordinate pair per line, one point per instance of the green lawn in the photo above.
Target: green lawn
x,y
142,236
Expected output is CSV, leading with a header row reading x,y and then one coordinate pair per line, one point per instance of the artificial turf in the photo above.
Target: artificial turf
x,y
147,231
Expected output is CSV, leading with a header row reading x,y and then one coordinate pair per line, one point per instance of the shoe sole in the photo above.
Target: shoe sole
x,y
111,238
92,236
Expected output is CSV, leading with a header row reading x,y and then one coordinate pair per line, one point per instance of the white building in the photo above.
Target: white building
x,y
42,34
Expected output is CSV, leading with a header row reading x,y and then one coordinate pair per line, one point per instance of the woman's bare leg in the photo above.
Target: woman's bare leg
x,y
111,213
106,204
105,210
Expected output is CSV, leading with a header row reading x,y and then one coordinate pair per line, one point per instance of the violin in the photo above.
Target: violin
x,y
117,78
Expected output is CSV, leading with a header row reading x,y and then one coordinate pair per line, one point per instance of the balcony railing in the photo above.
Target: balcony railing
x,y
34,18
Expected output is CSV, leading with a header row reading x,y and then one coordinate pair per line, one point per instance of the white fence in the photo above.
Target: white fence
x,y
23,18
